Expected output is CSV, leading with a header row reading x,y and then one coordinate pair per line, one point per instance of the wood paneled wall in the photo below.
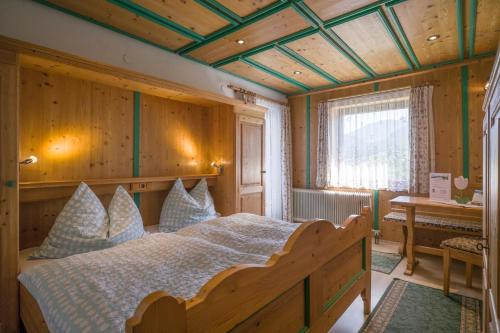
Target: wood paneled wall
x,y
447,121
85,130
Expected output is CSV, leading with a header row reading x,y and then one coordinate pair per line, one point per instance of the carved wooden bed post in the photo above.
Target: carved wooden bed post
x,y
158,305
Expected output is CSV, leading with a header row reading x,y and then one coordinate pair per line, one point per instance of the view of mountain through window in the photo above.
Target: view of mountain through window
x,y
369,141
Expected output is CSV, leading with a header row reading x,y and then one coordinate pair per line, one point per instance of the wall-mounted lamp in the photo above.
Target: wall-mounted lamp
x,y
29,160
219,167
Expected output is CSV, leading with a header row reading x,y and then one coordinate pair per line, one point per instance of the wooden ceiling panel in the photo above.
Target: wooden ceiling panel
x,y
423,18
254,74
107,13
187,13
276,60
326,9
487,26
318,51
370,40
273,27
245,7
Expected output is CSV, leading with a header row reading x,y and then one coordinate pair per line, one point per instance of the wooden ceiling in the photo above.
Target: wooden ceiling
x,y
295,46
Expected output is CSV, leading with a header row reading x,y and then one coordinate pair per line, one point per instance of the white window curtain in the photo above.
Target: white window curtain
x,y
363,142
277,161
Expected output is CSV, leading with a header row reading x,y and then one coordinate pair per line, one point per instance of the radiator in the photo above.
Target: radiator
x,y
334,206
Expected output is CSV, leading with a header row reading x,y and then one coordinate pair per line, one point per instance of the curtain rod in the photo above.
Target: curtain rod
x,y
366,94
239,89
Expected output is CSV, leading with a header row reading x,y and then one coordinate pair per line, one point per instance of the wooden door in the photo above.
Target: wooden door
x,y
250,173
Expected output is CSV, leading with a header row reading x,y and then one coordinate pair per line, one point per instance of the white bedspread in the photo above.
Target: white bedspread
x,y
98,291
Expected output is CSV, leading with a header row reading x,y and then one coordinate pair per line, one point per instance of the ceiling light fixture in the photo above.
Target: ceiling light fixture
x,y
297,72
240,41
432,38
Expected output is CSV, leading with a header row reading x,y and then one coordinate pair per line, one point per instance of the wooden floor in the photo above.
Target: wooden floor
x,y
428,272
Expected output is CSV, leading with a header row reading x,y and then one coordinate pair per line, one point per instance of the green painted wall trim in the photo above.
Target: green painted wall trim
x,y
376,86
464,78
472,23
341,292
137,141
375,209
308,141
459,8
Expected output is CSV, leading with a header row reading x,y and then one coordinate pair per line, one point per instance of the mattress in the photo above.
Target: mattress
x,y
98,291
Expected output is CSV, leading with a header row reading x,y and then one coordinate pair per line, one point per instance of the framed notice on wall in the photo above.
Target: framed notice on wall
x,y
440,186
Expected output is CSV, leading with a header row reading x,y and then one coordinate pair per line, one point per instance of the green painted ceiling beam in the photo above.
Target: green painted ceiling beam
x,y
472,30
306,63
357,13
160,20
104,25
253,81
347,52
272,72
267,46
221,11
405,71
394,37
247,21
330,36
459,7
402,33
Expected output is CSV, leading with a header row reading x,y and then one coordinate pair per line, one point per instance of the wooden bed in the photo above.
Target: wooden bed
x,y
306,286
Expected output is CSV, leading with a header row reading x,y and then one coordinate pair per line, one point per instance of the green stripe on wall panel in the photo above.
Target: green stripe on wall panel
x,y
308,141
464,78
375,209
137,141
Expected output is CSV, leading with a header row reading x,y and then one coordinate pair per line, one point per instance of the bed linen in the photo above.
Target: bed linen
x,y
98,291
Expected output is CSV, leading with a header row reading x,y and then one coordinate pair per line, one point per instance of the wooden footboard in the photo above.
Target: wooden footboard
x,y
306,286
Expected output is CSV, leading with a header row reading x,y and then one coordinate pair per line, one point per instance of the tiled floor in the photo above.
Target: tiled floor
x,y
428,272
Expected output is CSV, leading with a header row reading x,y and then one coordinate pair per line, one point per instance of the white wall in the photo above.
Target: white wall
x,y
37,24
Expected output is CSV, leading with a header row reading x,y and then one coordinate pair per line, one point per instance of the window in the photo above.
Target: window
x,y
368,141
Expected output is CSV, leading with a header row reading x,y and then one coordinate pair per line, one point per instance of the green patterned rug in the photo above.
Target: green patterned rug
x,y
384,262
412,308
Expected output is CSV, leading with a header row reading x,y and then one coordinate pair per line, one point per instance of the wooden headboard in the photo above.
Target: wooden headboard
x,y
41,202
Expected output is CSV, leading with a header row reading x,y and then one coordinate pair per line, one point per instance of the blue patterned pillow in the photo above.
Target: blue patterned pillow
x,y
125,219
82,226
181,209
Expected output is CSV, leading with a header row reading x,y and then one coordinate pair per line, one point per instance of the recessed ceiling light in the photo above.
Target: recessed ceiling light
x,y
432,38
240,41
297,72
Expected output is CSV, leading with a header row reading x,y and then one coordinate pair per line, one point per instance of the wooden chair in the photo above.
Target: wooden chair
x,y
464,249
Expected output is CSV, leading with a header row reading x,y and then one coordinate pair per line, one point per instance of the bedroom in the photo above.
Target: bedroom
x,y
376,117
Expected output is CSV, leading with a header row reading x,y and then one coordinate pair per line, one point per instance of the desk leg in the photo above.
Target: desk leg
x,y
402,243
410,246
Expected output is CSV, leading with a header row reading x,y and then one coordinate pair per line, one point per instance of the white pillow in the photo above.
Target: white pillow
x,y
125,219
181,209
82,226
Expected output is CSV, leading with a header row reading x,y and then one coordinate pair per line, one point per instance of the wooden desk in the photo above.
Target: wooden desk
x,y
411,204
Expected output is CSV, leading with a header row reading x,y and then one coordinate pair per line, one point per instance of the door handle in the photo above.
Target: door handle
x,y
263,171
